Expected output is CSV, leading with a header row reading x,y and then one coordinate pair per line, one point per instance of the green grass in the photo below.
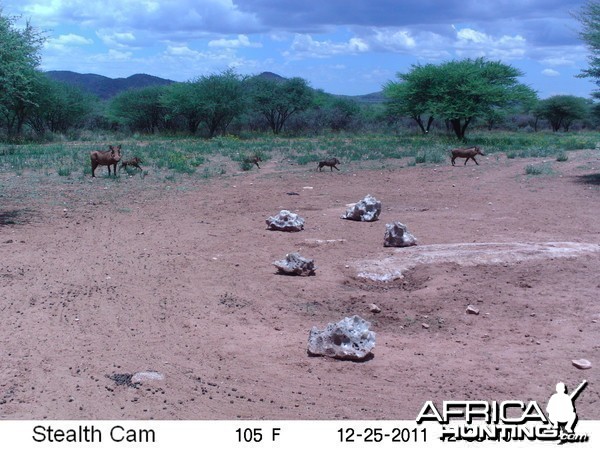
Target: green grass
x,y
192,157
539,169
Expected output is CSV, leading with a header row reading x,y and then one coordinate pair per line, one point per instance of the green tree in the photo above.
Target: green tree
x,y
215,100
60,106
563,110
19,59
139,109
277,100
410,97
180,101
589,17
457,91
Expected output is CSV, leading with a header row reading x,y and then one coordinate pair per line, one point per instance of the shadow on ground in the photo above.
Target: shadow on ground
x,y
16,217
593,178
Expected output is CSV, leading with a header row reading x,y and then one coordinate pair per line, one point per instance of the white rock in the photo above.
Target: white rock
x,y
582,364
149,375
397,235
472,310
374,308
285,221
294,264
367,210
350,338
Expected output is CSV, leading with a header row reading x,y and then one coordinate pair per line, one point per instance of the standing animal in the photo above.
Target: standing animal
x,y
468,153
106,158
253,160
134,162
331,163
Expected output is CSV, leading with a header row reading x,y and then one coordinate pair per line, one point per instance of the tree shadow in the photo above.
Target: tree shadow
x,y
16,217
593,178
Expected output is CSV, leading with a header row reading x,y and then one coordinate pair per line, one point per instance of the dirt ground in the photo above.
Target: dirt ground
x,y
100,279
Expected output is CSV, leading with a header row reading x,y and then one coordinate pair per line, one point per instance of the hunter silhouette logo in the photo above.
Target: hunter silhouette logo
x,y
561,407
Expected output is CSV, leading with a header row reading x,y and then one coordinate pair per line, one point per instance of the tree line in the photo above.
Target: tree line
x,y
454,95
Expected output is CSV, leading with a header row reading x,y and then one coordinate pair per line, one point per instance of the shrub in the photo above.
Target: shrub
x,y
562,156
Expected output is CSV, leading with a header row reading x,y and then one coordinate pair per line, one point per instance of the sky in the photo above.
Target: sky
x,y
349,47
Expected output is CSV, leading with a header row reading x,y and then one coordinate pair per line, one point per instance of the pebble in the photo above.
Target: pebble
x,y
582,364
147,376
472,310
374,308
425,325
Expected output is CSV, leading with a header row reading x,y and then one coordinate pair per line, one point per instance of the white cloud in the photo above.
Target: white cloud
x,y
305,46
550,73
393,40
67,41
183,51
241,41
115,39
473,43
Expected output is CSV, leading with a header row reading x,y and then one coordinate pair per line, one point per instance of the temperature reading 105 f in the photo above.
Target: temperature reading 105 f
x,y
255,434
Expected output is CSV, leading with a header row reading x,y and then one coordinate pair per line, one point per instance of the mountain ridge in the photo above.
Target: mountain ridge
x,y
105,87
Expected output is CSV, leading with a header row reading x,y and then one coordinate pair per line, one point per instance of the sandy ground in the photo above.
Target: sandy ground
x,y
102,279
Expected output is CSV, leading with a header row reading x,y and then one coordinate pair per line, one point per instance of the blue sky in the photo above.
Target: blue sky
x,y
341,46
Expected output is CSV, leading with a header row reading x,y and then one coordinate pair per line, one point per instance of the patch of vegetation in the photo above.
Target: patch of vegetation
x,y
539,169
64,171
562,156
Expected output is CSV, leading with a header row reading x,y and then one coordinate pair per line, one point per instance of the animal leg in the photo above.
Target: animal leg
x,y
475,160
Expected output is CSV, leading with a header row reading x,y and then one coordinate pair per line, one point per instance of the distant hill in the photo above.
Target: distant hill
x,y
105,87
373,98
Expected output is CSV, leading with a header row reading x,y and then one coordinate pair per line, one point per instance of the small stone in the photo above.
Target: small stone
x,y
582,364
149,375
472,310
374,308
425,325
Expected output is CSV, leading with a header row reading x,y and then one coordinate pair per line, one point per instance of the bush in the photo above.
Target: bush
x,y
562,156
538,169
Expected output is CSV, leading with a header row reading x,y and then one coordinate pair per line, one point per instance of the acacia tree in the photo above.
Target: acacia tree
x,y
276,100
457,91
215,100
61,106
410,97
562,110
139,109
590,20
19,59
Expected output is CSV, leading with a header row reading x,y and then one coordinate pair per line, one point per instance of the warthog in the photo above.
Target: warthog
x,y
133,162
106,158
331,163
253,160
468,153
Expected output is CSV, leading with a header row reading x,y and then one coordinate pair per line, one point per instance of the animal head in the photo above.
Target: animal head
x,y
115,152
478,151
